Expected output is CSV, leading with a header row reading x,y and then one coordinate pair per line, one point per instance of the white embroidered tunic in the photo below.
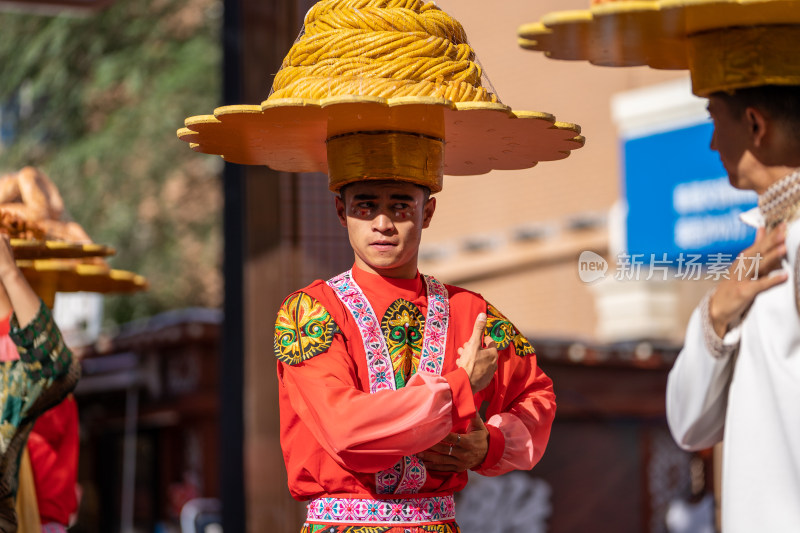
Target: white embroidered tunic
x,y
749,398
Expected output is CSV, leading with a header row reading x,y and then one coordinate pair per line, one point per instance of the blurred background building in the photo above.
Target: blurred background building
x,y
598,259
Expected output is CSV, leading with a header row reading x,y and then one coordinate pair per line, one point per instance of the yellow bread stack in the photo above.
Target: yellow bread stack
x,y
725,44
382,89
384,48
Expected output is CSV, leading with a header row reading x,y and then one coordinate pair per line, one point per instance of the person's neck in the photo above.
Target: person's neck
x,y
407,271
773,175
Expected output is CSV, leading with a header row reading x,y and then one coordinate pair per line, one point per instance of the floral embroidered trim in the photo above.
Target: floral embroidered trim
x,y
409,475
382,512
714,343
781,200
414,475
388,480
503,332
303,329
436,325
447,527
379,363
433,347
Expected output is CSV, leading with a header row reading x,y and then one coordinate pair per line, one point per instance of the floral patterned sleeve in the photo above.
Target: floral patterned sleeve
x,y
40,346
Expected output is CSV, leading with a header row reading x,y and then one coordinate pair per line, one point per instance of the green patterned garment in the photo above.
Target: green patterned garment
x,y
42,377
36,381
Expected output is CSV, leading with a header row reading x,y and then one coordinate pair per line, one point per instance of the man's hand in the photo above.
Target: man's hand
x,y
479,363
747,279
459,451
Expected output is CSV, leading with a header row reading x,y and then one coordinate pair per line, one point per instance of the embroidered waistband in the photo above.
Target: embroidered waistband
x,y
382,512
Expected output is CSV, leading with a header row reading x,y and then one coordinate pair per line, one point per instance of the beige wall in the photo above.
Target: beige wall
x,y
545,297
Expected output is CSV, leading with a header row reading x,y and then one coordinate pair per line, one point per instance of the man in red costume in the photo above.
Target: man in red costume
x,y
382,373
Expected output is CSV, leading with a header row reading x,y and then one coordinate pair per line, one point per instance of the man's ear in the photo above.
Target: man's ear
x,y
757,123
430,207
340,207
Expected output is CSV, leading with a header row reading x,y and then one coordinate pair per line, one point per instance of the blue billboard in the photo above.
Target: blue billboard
x,y
679,199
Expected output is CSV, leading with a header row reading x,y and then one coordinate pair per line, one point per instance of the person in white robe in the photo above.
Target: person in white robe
x,y
737,379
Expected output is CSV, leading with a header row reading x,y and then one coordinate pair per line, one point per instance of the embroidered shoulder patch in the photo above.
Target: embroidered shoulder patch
x,y
303,329
503,332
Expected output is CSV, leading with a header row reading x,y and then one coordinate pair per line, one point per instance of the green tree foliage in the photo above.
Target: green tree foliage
x,y
95,103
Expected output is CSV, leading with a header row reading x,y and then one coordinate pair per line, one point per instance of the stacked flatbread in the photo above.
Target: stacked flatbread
x,y
54,253
32,208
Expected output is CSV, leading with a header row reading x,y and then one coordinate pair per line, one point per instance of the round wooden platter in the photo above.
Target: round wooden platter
x,y
289,134
25,249
53,275
646,32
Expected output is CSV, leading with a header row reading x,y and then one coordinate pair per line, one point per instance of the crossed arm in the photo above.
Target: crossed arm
x,y
370,432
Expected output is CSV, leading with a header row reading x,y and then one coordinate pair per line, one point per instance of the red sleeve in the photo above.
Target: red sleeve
x,y
368,432
520,429
463,400
521,406
497,445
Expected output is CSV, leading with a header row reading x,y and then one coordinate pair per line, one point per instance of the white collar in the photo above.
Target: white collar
x,y
753,218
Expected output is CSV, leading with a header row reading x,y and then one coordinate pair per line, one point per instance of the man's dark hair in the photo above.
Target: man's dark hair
x,y
425,190
778,102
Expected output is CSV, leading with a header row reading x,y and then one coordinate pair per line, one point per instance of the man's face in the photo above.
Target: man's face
x,y
384,221
731,139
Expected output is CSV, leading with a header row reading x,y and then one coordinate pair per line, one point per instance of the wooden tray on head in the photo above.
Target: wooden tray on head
x,y
49,276
25,249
